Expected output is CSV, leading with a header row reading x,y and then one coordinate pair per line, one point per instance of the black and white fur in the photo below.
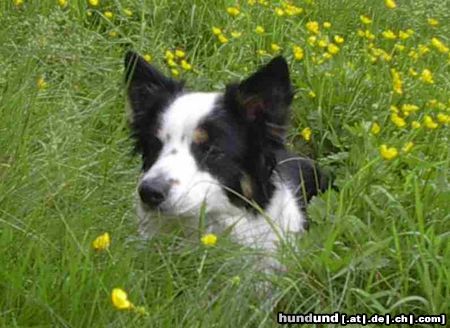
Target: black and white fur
x,y
222,152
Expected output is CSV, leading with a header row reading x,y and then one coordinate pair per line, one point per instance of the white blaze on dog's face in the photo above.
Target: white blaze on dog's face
x,y
207,147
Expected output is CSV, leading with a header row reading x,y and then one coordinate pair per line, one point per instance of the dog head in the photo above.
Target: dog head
x,y
215,148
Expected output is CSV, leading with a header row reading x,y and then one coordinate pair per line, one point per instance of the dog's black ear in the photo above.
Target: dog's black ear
x,y
265,95
147,86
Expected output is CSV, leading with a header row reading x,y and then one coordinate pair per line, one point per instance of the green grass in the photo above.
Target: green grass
x,y
378,245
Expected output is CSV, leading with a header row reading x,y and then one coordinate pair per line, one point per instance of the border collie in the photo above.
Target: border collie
x,y
220,155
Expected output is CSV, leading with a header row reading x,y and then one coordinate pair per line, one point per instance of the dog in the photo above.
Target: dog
x,y
219,154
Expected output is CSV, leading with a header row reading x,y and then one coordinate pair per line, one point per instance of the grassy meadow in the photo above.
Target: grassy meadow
x,y
372,105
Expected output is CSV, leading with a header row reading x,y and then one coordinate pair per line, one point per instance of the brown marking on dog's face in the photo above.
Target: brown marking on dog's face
x,y
200,136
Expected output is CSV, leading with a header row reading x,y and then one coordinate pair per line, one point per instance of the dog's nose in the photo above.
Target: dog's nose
x,y
153,191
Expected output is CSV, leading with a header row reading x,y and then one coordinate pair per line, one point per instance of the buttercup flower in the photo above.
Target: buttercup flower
x,y
388,153
443,118
412,72
62,3
275,47
365,20
108,14
439,45
322,43
333,49
403,35
18,2
313,27
236,34
279,12
102,242
180,53
312,94
306,133
128,12
338,39
389,34
185,65
397,120
148,58
407,147
390,4
409,108
233,11
168,55
120,300
427,76
298,53
326,24
415,124
433,22
397,81
209,239
94,3
175,72
429,122
375,128
259,29
222,38
216,31
41,83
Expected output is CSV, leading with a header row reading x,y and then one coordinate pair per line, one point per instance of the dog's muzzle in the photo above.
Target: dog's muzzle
x,y
154,191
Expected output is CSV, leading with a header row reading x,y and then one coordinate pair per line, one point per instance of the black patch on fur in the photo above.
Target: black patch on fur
x,y
149,93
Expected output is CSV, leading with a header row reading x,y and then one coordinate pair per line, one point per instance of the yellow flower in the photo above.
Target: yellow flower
x,y
365,20
322,43
399,47
298,53
397,81
397,120
312,40
439,45
433,22
113,34
275,47
327,25
312,94
209,239
180,53
41,83
216,31
259,29
333,49
236,34
375,128
409,108
427,76
403,35
390,4
175,72
443,118
222,39
429,123
407,147
102,242
279,12
306,134
261,52
292,10
233,11
108,14
168,55
412,72
94,3
338,39
120,300
171,63
128,12
251,2
423,49
185,65
148,58
313,27
415,124
389,34
18,2
388,152
62,3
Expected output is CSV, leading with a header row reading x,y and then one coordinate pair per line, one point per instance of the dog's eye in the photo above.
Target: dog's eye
x,y
200,136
